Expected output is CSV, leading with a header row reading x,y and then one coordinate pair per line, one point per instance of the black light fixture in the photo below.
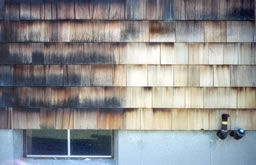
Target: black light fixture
x,y
238,134
223,133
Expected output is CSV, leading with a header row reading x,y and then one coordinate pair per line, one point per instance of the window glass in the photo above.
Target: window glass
x,y
91,142
46,142
68,143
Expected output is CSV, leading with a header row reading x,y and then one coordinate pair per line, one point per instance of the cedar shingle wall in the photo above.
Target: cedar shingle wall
x,y
127,64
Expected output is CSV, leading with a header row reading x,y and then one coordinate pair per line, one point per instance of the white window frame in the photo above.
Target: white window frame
x,y
75,156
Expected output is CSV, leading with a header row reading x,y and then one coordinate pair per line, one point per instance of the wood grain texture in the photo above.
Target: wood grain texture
x,y
26,118
25,11
91,97
129,97
83,9
179,119
64,119
162,119
181,53
239,10
137,75
162,31
242,119
134,31
198,119
65,9
147,119
159,10
4,54
128,31
132,119
113,97
206,76
240,31
135,10
215,53
160,75
129,9
129,119
22,75
162,97
148,97
110,119
47,118
100,53
193,76
178,98
54,75
215,31
85,118
120,75
112,9
220,98
222,76
189,31
176,53
167,53
20,53
112,31
36,10
198,53
6,75
37,53
10,10
246,98
243,76
127,64
133,97
77,75
39,98
50,10
140,53
222,10
21,97
247,53
231,53
5,118
120,97
102,75
180,76
179,9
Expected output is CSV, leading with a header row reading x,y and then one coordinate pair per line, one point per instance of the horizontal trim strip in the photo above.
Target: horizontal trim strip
x,y
66,156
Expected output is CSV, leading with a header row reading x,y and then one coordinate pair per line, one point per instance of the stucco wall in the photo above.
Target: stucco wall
x,y
150,148
6,149
184,147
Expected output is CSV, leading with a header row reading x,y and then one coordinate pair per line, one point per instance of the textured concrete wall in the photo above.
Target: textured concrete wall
x,y
6,148
150,148
186,148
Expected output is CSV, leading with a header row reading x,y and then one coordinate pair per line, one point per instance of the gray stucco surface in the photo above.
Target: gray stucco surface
x,y
185,148
6,148
149,148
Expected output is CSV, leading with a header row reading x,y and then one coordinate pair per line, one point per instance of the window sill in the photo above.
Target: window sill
x,y
69,157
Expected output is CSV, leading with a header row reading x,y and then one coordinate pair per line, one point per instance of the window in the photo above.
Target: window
x,y
68,143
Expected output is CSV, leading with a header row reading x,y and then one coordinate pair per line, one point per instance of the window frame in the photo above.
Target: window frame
x,y
25,144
